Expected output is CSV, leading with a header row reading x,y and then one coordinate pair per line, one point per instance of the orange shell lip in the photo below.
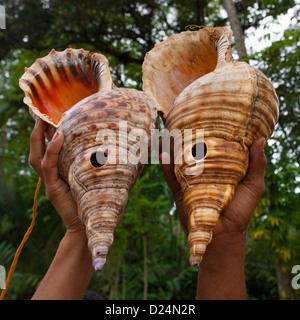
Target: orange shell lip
x,y
56,82
176,62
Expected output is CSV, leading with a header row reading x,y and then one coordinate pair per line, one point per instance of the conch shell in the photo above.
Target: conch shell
x,y
73,91
196,84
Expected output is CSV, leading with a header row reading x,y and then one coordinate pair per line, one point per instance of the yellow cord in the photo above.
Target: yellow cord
x,y
193,26
211,34
26,236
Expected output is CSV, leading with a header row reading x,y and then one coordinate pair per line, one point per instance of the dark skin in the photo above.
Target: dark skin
x,y
221,272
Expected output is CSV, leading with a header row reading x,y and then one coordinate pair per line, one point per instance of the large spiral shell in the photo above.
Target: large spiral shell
x,y
104,128
231,102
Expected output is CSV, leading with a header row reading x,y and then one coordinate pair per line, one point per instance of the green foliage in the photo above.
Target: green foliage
x,y
21,283
252,12
260,271
276,219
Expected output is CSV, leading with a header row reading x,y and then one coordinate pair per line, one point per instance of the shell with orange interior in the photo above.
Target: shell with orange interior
x,y
73,92
215,105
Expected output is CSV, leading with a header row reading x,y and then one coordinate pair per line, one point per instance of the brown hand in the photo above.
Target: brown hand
x,y
44,161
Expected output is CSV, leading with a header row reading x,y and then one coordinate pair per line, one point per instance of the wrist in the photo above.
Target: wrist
x,y
70,271
221,272
224,240
75,232
226,251
74,246
75,240
225,247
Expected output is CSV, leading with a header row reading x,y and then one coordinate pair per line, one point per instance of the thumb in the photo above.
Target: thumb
x,y
49,163
254,179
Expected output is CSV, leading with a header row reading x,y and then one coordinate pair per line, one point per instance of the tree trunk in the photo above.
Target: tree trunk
x,y
200,12
145,268
113,294
236,27
284,278
123,280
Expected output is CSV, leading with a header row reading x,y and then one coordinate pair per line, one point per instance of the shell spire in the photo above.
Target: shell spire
x,y
197,85
73,91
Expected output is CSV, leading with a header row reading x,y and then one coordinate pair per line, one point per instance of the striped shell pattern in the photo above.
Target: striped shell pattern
x,y
196,84
73,92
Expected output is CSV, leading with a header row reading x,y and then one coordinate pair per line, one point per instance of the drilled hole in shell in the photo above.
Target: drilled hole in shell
x,y
98,159
199,151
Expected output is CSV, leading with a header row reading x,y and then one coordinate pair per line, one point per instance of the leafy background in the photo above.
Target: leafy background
x,y
149,257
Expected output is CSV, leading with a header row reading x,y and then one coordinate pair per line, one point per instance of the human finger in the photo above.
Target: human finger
x,y
254,179
250,189
37,147
49,163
